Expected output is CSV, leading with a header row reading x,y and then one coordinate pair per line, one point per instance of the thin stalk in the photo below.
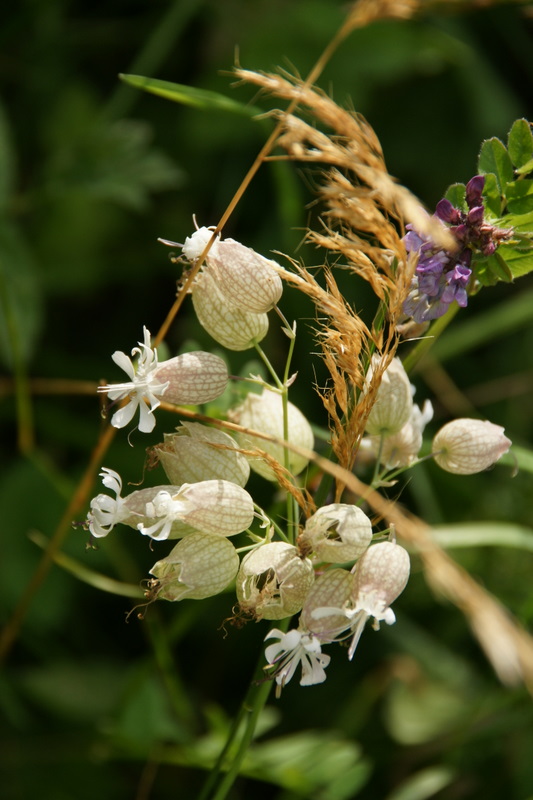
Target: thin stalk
x,y
423,346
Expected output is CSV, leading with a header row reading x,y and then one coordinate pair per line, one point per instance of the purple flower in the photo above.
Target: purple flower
x,y
442,276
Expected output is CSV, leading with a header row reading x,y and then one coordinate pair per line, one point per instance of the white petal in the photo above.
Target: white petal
x,y
125,363
124,415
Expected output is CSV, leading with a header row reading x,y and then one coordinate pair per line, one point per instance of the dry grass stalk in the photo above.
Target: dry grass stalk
x,y
363,223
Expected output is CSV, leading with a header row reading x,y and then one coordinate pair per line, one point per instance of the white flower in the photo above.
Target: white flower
x,y
394,401
214,506
264,413
142,387
337,533
200,565
105,511
190,378
380,576
273,581
292,649
467,446
195,244
401,449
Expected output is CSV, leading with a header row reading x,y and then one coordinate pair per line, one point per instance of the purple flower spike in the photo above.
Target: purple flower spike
x,y
475,215
474,190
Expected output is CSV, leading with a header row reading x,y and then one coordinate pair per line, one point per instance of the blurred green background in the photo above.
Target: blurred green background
x,y
91,173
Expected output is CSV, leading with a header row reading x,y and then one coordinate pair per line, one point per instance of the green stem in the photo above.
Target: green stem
x,y
268,365
245,721
423,346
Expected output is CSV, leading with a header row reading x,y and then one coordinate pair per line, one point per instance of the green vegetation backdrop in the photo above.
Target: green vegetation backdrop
x,y
92,172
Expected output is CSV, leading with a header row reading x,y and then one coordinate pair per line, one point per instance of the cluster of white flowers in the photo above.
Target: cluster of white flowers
x,y
339,573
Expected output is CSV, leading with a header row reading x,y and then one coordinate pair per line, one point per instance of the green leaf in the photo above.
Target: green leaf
x,y
456,195
492,194
423,784
520,143
526,168
483,534
518,262
190,95
523,223
7,161
21,302
489,270
494,158
519,196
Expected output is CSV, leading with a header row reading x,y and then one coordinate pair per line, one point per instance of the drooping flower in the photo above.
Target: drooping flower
x,y
337,533
296,648
229,325
394,400
247,280
401,449
467,446
264,413
273,581
190,378
200,453
213,506
379,577
200,565
143,386
106,512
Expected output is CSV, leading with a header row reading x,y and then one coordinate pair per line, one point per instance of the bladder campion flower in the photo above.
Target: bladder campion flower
x,y
467,446
394,400
264,413
200,453
201,565
337,533
295,648
247,280
273,581
190,378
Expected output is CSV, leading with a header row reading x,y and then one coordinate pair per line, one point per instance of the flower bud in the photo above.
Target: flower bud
x,y
331,593
199,453
337,533
273,581
381,575
193,378
228,325
264,413
394,401
201,565
466,446
214,506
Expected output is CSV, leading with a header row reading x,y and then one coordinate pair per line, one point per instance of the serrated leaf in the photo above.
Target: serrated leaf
x,y
494,158
519,196
492,195
520,143
456,195
190,95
